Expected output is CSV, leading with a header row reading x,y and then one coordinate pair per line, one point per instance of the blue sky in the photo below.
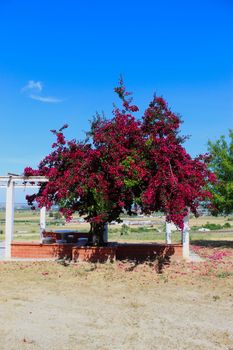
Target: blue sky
x,y
60,60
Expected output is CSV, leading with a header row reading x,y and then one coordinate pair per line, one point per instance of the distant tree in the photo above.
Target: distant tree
x,y
221,163
123,161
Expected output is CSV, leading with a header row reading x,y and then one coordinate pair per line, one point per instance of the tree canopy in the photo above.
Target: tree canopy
x,y
124,160
221,163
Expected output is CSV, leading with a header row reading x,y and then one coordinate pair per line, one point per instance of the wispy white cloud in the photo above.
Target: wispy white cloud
x,y
33,85
46,99
33,90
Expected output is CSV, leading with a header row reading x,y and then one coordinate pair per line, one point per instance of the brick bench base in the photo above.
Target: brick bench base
x,y
39,250
94,254
128,251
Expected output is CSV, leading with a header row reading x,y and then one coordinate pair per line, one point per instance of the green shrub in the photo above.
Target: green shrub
x,y
211,226
125,230
195,228
57,215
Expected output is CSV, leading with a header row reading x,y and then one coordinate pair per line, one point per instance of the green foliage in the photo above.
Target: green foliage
x,y
224,274
212,226
130,183
125,230
195,228
227,225
221,163
57,215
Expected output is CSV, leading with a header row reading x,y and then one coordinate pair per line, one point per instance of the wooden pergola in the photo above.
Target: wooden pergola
x,y
10,182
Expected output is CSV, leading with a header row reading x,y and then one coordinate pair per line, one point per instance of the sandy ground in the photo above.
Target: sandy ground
x,y
117,306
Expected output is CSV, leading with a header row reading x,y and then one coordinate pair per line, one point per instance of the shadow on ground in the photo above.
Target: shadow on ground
x,y
159,263
213,244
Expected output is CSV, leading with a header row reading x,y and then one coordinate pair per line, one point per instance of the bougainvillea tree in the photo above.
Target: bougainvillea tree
x,y
125,160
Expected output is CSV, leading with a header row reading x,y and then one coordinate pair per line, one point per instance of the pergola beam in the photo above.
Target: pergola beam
x,y
22,186
24,178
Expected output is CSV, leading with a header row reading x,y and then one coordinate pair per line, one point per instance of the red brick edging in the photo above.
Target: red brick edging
x,y
109,253
39,250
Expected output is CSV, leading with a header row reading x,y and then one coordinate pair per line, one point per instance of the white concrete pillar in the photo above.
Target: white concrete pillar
x,y
185,237
42,221
9,223
168,237
106,233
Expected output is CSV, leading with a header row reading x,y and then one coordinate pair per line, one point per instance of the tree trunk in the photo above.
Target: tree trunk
x,y
96,234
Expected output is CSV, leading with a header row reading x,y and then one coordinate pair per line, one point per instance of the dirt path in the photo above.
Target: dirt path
x,y
48,306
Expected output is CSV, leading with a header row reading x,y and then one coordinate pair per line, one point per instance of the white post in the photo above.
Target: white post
x,y
168,232
42,221
106,233
185,237
9,224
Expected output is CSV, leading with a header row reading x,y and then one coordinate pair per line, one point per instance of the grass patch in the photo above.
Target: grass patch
x,y
27,228
213,226
224,274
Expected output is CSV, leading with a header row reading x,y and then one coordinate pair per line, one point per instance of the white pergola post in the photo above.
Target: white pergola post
x,y
10,182
185,237
168,237
42,221
9,223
